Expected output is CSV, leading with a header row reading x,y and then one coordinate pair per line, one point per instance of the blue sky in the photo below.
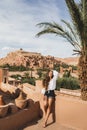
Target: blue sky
x,y
18,19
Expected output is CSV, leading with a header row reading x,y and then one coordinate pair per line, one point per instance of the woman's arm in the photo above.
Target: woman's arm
x,y
55,74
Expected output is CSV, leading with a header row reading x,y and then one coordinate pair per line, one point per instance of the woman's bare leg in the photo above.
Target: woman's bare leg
x,y
45,104
53,112
50,102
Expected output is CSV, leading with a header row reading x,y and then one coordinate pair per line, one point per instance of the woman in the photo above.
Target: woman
x,y
49,83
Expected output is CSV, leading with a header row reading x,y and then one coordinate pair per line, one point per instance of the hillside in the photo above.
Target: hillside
x,y
69,61
34,60
29,59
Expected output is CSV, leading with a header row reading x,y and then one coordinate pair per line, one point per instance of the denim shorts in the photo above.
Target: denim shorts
x,y
50,93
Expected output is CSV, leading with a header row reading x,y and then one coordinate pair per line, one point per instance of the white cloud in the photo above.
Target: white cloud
x,y
6,48
17,27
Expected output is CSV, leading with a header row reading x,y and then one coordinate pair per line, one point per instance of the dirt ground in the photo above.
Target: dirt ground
x,y
38,125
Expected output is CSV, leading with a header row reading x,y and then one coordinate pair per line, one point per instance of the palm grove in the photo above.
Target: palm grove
x,y
76,35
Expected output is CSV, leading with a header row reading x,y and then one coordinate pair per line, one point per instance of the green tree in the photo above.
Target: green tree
x,y
28,80
68,83
26,75
39,72
67,74
76,34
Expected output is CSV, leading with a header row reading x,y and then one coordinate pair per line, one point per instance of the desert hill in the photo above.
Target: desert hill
x,y
29,59
69,61
34,60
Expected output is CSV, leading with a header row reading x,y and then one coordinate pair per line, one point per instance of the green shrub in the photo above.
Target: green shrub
x,y
17,76
28,80
67,74
57,67
15,68
32,81
68,83
64,65
74,67
39,73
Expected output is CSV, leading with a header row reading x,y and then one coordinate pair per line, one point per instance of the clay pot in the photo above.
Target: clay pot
x,y
21,102
1,100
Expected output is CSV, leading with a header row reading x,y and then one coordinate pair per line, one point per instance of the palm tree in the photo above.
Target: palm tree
x,y
76,34
26,75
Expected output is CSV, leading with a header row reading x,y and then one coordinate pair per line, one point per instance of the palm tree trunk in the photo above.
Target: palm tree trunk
x,y
83,74
83,58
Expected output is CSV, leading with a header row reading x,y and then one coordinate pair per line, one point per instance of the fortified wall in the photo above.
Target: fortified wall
x,y
16,107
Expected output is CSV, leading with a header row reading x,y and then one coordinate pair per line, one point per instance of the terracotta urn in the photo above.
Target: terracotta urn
x,y
21,102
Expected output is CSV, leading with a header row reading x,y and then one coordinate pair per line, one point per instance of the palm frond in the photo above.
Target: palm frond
x,y
71,29
47,30
73,33
85,19
76,16
77,51
51,25
59,31
79,4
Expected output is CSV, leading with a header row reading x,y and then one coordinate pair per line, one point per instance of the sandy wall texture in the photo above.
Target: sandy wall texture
x,y
19,119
